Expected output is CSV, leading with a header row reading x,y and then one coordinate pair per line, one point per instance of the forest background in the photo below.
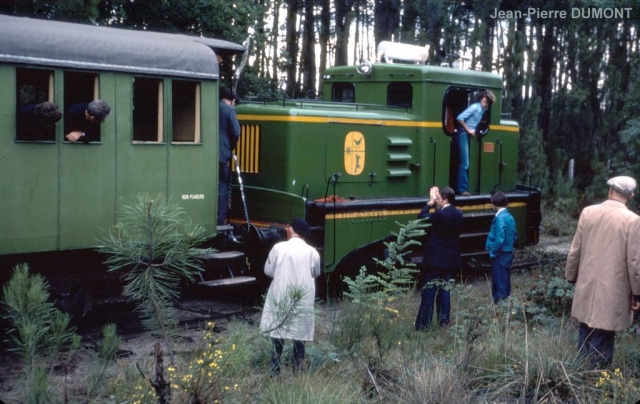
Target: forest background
x,y
571,83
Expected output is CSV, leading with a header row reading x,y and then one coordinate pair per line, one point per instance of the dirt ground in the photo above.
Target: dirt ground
x,y
138,346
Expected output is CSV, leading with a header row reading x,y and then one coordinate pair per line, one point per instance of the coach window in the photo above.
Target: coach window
x,y
147,110
186,111
456,100
80,88
400,94
343,92
36,115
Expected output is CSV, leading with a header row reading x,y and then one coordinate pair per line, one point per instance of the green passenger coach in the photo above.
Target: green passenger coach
x,y
161,136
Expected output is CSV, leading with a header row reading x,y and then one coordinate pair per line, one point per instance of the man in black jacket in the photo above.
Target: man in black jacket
x,y
441,256
229,136
82,121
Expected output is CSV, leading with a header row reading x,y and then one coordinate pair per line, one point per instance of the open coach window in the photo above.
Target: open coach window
x,y
456,100
186,111
148,110
36,114
79,90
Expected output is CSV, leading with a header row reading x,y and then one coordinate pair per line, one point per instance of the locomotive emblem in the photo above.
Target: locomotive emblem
x,y
354,151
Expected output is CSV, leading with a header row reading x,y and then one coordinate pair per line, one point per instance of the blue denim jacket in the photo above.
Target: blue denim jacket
x,y
472,115
502,235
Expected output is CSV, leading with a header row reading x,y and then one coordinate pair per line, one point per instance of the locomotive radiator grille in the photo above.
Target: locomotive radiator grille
x,y
248,148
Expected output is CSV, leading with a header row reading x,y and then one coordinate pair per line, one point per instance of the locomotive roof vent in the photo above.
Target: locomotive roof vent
x,y
390,51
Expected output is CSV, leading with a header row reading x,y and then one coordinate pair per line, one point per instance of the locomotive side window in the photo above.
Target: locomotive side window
x,y
186,111
343,92
36,115
148,112
80,89
400,94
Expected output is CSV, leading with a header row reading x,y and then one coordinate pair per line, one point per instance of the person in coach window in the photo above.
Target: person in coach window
x,y
82,121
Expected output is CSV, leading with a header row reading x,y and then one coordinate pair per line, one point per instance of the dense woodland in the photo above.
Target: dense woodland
x,y
571,83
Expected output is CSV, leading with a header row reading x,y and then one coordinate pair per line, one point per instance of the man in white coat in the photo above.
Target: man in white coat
x,y
604,265
288,310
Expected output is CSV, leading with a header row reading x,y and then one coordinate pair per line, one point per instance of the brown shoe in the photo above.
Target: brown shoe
x,y
465,193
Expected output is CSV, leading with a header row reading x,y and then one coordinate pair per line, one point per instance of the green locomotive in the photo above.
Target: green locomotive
x,y
364,158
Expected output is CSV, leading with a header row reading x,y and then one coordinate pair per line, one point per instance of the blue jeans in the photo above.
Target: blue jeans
x,y
500,276
436,289
462,139
597,345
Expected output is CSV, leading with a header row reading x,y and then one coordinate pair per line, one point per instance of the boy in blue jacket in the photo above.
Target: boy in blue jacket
x,y
500,241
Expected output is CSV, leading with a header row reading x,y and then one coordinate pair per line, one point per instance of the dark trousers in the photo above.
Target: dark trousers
x,y
298,355
436,288
501,276
224,184
597,345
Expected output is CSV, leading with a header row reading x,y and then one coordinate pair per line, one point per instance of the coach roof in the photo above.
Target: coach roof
x,y
82,46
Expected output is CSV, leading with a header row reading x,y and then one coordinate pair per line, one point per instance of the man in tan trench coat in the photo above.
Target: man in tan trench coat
x,y
604,265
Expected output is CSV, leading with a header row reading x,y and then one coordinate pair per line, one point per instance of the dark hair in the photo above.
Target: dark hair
x,y
227,94
98,109
499,199
47,112
448,193
491,98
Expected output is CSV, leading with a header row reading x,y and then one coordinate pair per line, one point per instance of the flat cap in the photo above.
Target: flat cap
x,y
622,184
301,227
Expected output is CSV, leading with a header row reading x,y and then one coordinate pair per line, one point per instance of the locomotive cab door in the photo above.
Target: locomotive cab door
x,y
456,101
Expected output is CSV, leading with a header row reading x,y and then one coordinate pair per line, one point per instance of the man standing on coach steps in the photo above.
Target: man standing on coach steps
x,y
604,265
229,136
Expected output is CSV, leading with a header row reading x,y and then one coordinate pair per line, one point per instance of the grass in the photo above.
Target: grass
x,y
520,351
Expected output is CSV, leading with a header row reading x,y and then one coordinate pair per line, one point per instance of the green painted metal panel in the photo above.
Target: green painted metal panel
x,y
140,168
28,184
87,180
193,167
353,233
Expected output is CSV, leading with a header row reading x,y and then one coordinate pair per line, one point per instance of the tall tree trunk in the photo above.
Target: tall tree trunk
x,y
544,70
325,22
292,48
274,33
344,16
387,19
309,51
